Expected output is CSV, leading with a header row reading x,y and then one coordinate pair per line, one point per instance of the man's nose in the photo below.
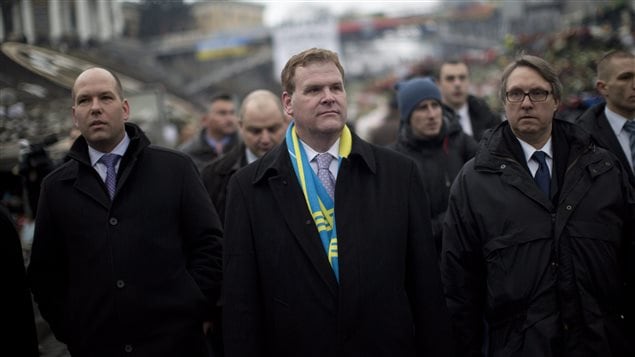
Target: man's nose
x,y
95,105
329,96
265,137
526,103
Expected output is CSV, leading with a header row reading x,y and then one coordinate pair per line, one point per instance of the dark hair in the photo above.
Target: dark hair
x,y
603,64
538,64
302,59
453,62
221,96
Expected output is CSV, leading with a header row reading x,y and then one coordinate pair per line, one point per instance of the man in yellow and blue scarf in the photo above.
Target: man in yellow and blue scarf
x,y
328,248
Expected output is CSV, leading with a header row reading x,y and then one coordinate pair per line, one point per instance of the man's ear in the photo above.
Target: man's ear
x,y
126,109
286,103
600,86
75,122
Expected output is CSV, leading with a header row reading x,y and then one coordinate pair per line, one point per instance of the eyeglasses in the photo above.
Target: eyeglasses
x,y
535,95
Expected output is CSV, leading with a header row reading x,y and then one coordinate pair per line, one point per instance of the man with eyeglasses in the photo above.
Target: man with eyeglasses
x,y
219,133
474,114
534,236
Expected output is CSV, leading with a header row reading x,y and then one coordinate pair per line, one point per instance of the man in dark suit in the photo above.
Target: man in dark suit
x,y
126,255
612,126
261,124
610,123
474,114
329,259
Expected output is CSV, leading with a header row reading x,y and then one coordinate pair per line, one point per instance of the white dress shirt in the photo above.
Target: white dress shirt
x,y
533,164
95,155
334,150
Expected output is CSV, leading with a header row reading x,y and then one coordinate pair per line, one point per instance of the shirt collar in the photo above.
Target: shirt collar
x,y
120,150
334,150
251,157
212,142
529,150
615,120
463,112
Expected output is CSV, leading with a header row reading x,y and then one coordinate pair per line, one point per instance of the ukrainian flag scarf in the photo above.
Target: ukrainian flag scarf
x,y
320,204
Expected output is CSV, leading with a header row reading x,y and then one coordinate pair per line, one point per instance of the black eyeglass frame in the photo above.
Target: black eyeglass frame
x,y
531,94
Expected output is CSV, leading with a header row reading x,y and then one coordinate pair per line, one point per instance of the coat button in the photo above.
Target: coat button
x,y
127,348
568,207
607,163
113,221
503,166
120,284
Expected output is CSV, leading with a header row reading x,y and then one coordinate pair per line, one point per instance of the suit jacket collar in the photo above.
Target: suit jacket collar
x,y
87,180
138,141
232,161
595,123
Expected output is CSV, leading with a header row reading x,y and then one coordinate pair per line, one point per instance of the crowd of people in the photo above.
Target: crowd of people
x,y
472,233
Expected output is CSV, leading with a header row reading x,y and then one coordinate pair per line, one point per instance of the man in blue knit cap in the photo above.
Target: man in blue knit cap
x,y
431,135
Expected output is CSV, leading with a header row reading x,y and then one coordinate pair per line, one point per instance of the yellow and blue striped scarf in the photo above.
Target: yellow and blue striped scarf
x,y
320,204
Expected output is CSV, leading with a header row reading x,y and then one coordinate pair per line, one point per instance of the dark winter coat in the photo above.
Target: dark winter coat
x,y
281,296
481,117
138,273
544,274
201,152
439,160
216,176
18,333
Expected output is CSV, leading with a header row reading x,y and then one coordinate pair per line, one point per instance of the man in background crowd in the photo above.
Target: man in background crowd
x,y
474,114
432,137
218,134
612,124
262,123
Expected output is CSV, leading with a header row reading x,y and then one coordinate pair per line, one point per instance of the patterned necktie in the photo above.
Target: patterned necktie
x,y
323,162
542,178
110,160
629,127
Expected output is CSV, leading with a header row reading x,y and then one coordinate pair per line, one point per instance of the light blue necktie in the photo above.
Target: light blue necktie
x,y
324,174
110,160
542,178
629,127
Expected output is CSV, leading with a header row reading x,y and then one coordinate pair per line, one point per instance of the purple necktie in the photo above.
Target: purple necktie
x,y
110,160
324,174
